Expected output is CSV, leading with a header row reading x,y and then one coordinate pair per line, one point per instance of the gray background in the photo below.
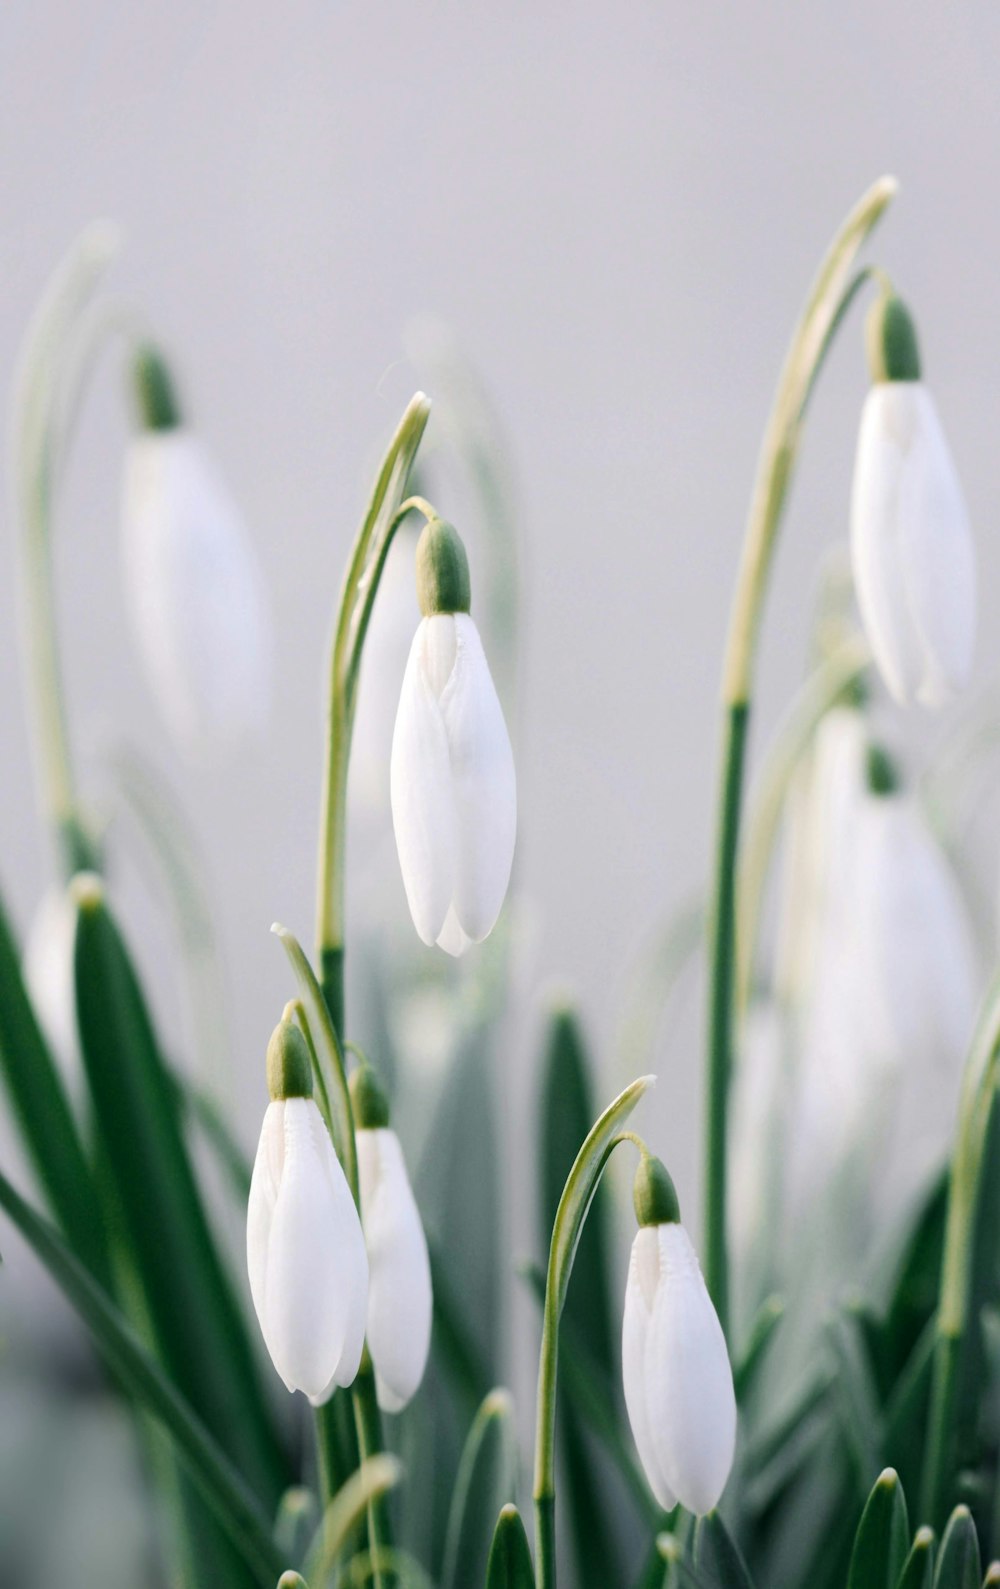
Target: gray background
x,y
618,208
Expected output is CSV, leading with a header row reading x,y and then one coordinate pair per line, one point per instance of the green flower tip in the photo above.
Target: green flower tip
x,y
369,1102
87,892
891,340
155,393
882,773
289,1067
653,1193
443,583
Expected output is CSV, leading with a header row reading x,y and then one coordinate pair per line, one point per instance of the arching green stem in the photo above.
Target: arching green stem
x,y
824,310
578,1194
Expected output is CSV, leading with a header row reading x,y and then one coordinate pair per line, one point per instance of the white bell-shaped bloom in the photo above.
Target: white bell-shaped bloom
x,y
194,591
911,547
454,799
917,983
399,1288
306,1252
677,1377
49,975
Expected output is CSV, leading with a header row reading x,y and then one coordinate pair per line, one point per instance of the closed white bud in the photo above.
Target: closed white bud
x,y
911,547
306,1253
454,799
194,592
399,1292
677,1378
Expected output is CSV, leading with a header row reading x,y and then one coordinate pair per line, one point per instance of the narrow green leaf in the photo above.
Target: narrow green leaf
x,y
958,1564
375,1478
46,1123
883,1536
762,1332
509,1566
197,1325
567,1110
487,1473
717,1555
992,1578
918,1570
218,1481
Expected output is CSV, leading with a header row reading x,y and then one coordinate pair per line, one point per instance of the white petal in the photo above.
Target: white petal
x,y
483,779
423,808
399,1296
194,591
937,557
50,978
692,1405
452,938
303,1241
911,547
640,1291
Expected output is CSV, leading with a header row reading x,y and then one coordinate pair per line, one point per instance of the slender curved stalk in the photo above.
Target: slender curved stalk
x,y
357,595
375,1477
825,307
979,1088
578,1193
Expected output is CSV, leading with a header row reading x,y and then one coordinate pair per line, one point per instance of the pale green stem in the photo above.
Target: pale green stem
x,y
827,303
979,1087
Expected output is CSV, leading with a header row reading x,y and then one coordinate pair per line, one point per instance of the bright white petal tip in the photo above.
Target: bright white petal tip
x,y
911,547
453,786
399,1296
676,1372
305,1252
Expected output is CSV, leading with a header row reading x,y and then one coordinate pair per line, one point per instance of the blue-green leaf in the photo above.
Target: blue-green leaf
x,y
883,1536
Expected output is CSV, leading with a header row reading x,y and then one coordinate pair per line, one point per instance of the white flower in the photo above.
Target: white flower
x,y
194,591
306,1252
678,1381
912,550
454,801
399,1290
50,978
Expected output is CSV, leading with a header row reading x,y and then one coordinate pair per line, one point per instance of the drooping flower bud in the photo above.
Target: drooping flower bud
x,y
193,588
454,799
400,1302
675,1367
911,546
305,1250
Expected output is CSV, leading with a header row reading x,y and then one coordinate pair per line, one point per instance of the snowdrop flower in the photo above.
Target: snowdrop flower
x,y
678,1381
194,592
50,978
305,1250
399,1291
454,802
911,546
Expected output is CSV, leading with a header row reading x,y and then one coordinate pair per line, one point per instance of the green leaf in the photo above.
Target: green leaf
x,y
487,1473
918,1571
883,1536
509,1566
958,1560
47,1127
566,1113
197,1325
717,1556
762,1332
220,1484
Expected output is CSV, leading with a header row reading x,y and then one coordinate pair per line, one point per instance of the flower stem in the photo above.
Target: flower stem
x,y
969,1163
831,295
